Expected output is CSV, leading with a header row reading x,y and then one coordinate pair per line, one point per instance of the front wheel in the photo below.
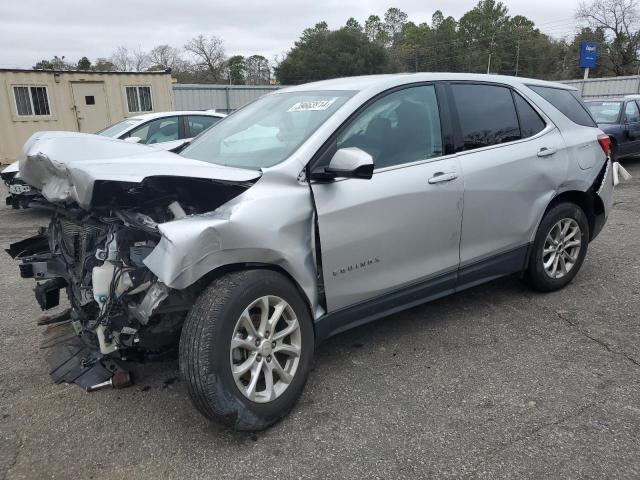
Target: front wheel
x,y
559,248
246,349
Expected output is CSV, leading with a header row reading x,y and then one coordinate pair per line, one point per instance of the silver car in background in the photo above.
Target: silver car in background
x,y
310,211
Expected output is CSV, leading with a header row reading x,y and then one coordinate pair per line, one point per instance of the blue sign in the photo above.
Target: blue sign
x,y
588,54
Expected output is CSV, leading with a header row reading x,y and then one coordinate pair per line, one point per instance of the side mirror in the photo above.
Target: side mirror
x,y
350,162
132,139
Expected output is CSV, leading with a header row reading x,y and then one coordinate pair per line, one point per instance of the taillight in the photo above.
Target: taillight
x,y
605,143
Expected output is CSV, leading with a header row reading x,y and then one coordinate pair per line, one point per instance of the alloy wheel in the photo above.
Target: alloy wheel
x,y
265,349
562,248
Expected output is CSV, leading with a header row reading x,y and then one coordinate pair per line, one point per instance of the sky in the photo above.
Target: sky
x,y
31,30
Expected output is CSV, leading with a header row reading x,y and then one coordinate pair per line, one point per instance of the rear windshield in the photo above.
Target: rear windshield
x,y
604,112
567,102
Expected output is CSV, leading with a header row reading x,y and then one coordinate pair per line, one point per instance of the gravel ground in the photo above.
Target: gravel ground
x,y
496,381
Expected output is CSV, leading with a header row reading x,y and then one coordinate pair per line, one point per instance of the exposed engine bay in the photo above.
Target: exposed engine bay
x,y
119,310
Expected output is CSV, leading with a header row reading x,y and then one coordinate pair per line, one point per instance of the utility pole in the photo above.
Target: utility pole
x,y
490,52
517,56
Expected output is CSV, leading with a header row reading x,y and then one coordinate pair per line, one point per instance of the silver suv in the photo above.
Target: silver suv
x,y
310,211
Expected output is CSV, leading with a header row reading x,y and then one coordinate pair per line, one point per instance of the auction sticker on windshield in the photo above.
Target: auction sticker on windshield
x,y
312,105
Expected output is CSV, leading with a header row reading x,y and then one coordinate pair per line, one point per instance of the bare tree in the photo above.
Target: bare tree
x,y
166,56
121,59
209,56
140,59
619,21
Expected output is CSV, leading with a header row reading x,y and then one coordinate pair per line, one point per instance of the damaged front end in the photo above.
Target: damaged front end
x,y
94,254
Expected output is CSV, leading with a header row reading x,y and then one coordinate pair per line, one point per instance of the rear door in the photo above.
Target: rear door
x,y
401,227
513,160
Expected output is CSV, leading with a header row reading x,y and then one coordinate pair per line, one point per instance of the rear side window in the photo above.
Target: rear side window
x,y
567,103
199,123
486,113
530,121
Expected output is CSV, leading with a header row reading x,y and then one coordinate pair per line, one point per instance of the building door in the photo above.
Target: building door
x,y
90,105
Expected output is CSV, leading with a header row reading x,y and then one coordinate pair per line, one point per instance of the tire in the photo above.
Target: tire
x,y
15,202
539,277
206,357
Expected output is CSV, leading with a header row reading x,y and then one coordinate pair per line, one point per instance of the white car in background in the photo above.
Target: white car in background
x,y
164,130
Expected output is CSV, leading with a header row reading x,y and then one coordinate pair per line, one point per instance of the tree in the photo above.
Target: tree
x,y
258,70
321,53
56,63
163,57
237,69
354,24
44,65
140,60
619,21
209,56
84,64
374,30
121,59
104,65
394,22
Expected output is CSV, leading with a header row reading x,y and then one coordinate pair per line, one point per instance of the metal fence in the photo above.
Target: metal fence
x,y
224,98
606,87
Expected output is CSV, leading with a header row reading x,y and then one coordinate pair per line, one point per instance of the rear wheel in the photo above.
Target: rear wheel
x,y
246,349
559,248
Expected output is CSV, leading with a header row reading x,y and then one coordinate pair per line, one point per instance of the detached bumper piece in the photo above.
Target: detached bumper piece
x,y
72,361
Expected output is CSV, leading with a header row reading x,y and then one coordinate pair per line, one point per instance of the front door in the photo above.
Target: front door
x,y
401,227
90,105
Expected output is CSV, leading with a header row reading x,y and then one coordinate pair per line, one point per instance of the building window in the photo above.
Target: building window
x,y
139,99
32,100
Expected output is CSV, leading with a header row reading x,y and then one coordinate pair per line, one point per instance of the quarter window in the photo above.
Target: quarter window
x,y
567,103
138,99
486,113
401,127
32,101
530,122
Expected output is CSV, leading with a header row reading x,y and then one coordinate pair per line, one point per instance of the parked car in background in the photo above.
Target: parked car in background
x,y
163,130
312,210
620,119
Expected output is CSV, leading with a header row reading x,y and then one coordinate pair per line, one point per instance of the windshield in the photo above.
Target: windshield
x,y
117,129
604,112
267,131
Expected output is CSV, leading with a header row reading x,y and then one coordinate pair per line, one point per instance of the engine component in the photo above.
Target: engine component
x,y
48,293
176,210
139,251
156,293
119,380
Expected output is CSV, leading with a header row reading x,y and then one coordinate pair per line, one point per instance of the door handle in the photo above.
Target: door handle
x,y
546,151
443,177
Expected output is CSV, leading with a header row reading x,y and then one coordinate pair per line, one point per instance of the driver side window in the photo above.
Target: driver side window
x,y
157,131
399,128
